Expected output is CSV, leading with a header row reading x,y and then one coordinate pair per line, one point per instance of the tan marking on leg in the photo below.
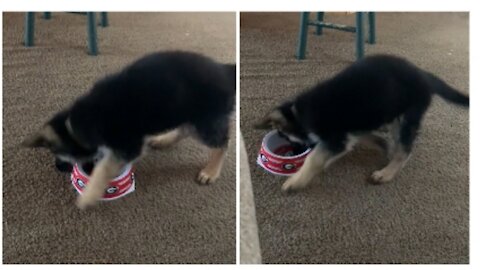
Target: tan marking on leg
x,y
105,170
331,160
374,141
317,161
313,165
386,174
44,137
166,139
352,140
50,134
214,166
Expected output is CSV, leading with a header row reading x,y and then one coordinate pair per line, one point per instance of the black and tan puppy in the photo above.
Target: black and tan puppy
x,y
155,101
336,114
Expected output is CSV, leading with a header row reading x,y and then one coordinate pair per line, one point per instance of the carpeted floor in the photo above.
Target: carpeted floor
x,y
169,218
422,216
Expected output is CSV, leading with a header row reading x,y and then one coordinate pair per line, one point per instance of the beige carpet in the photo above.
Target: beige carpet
x,y
422,216
169,218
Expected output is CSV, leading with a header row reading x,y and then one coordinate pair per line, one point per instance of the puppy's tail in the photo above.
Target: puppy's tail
x,y
447,92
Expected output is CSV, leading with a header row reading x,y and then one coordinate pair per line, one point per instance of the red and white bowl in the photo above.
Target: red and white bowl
x,y
276,155
118,187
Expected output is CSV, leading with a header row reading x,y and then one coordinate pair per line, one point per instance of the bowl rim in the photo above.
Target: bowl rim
x,y
127,169
128,191
261,164
264,147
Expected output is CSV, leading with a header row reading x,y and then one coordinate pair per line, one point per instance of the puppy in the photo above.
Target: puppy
x,y
155,101
378,91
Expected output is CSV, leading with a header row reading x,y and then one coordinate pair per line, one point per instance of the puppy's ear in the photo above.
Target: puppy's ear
x,y
46,137
272,120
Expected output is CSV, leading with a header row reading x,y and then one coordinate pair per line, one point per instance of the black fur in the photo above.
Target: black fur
x,y
157,93
68,144
63,166
365,96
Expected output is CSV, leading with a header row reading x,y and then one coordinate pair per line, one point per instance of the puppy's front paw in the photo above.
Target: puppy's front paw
x,y
207,177
83,203
87,199
294,183
380,177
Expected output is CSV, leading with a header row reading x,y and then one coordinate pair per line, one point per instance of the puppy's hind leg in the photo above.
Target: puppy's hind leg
x,y
400,157
213,134
211,172
404,137
105,170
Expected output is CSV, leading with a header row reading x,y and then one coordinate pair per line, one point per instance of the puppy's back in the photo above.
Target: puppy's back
x,y
365,95
157,92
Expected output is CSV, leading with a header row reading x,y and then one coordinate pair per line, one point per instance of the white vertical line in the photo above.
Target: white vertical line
x,y
238,134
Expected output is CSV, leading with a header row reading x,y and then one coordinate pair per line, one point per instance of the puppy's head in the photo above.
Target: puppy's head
x,y
56,136
285,120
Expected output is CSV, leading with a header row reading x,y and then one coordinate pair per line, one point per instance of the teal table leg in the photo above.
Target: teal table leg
x,y
47,15
359,35
371,26
29,28
92,33
103,19
320,19
302,36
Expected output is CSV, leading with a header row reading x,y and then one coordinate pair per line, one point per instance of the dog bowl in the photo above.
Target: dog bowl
x,y
277,155
118,187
